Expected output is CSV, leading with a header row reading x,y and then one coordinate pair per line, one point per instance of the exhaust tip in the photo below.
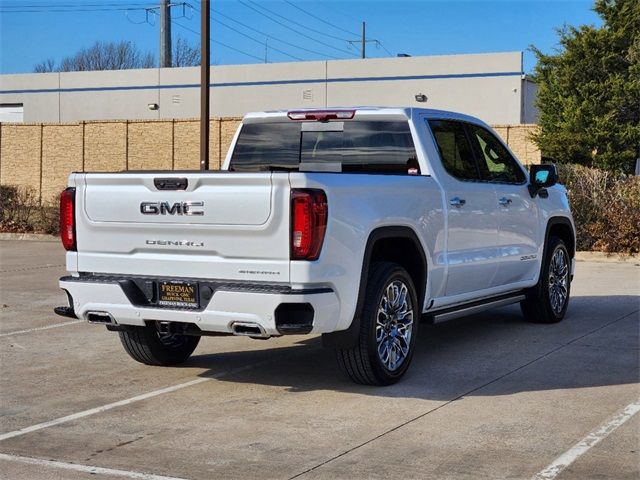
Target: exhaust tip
x,y
102,318
249,329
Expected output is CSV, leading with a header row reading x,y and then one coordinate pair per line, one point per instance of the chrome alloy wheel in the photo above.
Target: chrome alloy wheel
x,y
394,325
558,280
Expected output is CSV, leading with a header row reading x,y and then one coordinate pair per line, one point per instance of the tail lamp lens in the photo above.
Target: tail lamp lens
x,y
308,223
68,219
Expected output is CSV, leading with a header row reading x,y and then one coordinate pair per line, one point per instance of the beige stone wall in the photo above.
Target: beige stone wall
x,y
20,154
228,128
518,137
186,144
105,146
150,146
41,156
61,155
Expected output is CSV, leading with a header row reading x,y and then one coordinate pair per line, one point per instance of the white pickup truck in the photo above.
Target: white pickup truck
x,y
351,223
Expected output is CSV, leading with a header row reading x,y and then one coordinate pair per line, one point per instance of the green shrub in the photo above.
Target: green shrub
x,y
605,207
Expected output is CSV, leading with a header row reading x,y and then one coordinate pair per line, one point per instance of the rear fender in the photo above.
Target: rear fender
x,y
347,338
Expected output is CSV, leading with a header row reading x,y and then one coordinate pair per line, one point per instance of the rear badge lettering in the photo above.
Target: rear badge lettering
x,y
528,257
177,208
175,243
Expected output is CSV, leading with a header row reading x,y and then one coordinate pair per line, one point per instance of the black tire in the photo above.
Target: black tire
x,y
146,345
362,363
540,305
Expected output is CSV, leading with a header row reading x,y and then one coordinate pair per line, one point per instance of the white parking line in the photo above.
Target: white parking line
x,y
36,329
591,440
127,401
85,468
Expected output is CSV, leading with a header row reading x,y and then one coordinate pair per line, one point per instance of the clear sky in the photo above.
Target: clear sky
x,y
35,30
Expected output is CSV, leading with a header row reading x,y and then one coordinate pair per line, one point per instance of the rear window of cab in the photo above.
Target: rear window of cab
x,y
352,146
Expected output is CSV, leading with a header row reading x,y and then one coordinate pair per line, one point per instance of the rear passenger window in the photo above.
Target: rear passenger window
x,y
494,160
455,151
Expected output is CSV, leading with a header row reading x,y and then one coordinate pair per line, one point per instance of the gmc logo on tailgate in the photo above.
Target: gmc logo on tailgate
x,y
166,208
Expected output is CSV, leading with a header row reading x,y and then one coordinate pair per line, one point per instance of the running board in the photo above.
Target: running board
x,y
450,313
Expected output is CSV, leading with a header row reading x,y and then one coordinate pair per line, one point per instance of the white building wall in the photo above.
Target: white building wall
x,y
488,86
530,111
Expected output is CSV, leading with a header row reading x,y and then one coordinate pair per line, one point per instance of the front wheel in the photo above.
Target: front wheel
x,y
547,302
388,328
153,346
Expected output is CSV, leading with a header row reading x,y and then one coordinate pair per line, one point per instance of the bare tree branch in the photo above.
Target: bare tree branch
x,y
45,66
121,55
185,55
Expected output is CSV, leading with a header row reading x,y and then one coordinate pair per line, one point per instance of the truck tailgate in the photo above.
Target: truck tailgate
x,y
221,226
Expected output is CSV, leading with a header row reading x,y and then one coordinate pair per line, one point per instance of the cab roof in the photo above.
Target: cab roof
x,y
361,112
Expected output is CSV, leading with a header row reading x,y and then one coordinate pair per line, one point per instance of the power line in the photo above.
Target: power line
x,y
335,9
306,27
82,5
318,18
268,35
218,42
21,4
75,10
384,48
75,7
378,42
254,39
294,30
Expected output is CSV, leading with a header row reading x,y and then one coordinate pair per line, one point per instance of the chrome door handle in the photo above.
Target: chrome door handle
x,y
457,202
504,201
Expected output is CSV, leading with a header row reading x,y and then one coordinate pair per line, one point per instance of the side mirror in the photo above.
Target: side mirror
x,y
541,177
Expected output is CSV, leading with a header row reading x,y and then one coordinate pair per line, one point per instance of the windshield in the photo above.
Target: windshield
x,y
354,146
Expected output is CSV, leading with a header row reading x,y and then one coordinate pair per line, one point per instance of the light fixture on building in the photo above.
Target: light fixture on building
x,y
421,97
153,106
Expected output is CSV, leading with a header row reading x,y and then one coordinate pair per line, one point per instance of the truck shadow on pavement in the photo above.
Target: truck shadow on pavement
x,y
488,354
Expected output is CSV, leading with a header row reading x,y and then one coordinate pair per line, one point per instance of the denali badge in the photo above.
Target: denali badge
x,y
175,243
166,208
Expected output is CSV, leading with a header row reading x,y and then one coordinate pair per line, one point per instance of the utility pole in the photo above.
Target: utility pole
x,y
165,34
205,38
363,41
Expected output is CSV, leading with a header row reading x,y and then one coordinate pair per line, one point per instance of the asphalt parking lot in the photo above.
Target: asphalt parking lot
x,y
487,396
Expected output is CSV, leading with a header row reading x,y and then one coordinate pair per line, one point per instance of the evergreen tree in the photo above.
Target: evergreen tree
x,y
589,91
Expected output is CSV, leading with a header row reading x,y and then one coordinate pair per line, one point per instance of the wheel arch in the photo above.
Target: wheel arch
x,y
563,228
398,244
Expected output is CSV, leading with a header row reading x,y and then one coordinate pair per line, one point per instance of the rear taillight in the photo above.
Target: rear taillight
x,y
308,223
68,218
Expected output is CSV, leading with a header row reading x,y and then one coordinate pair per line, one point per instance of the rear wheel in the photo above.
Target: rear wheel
x,y
388,328
152,345
547,302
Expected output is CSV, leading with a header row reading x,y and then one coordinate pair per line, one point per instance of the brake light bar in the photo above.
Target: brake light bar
x,y
68,219
308,223
321,115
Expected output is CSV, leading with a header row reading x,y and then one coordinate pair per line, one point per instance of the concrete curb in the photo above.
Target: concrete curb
x,y
601,257
34,237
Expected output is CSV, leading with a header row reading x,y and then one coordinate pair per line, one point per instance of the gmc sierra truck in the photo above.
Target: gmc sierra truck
x,y
353,223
